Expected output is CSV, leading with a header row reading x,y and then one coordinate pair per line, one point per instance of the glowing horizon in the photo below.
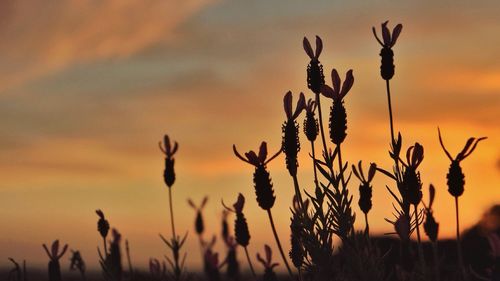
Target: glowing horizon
x,y
88,89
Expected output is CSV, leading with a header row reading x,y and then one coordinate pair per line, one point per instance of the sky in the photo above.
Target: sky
x,y
88,88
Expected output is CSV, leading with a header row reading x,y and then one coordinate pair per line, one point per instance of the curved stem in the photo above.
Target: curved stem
x,y
171,212
459,247
250,262
279,243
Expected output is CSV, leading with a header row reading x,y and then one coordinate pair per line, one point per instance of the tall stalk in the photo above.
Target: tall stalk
x,y
250,262
275,233
420,249
459,246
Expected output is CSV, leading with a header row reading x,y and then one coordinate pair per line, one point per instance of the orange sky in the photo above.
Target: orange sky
x,y
88,88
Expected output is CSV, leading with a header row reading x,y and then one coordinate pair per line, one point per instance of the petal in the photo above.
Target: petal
x,y
301,104
395,33
335,81
432,194
263,152
372,171
204,202
269,253
376,37
252,158
55,248
319,46
386,34
349,81
327,91
308,48
191,203
287,104
240,203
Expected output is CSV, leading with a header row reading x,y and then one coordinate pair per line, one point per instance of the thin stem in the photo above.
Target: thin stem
x,y
321,123
459,247
436,261
314,165
171,212
367,227
105,246
297,191
250,262
420,249
279,243
388,88
341,170
128,258
300,274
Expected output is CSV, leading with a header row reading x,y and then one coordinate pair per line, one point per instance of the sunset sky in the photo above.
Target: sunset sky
x,y
88,88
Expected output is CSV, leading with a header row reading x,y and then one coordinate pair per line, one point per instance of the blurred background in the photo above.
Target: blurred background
x,y
88,88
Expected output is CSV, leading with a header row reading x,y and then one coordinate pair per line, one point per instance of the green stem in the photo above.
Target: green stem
x,y
175,245
279,243
297,191
250,262
105,246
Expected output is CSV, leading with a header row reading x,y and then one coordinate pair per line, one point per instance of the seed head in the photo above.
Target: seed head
x,y
199,226
455,176
291,143
269,266
315,77
338,115
261,178
169,150
365,188
102,224
297,252
240,224
411,178
387,64
431,227
311,126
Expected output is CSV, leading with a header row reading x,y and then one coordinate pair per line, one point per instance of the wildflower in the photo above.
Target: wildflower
x,y
315,77
387,66
365,188
338,115
411,178
102,227
311,127
240,224
233,266
156,269
455,176
213,265
169,151
431,227
76,262
297,252
291,143
261,178
55,256
269,266
198,225
241,227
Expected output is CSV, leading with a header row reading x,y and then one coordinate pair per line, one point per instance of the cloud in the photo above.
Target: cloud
x,y
69,32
